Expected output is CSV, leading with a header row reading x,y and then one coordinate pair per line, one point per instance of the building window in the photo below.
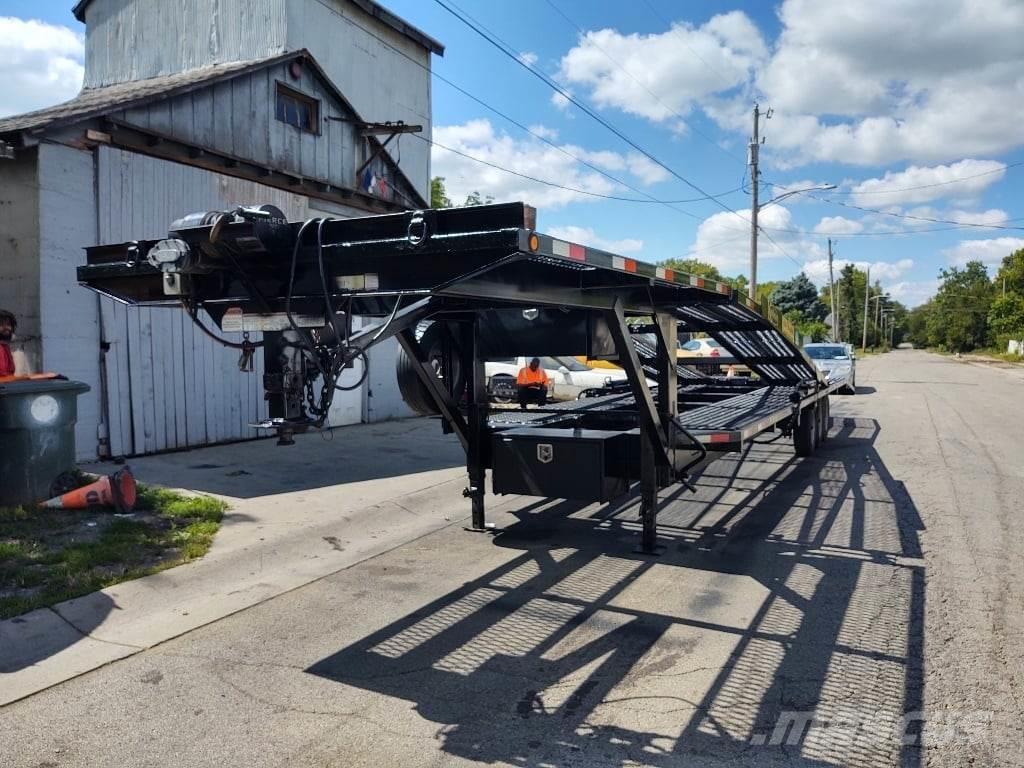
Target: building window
x,y
297,109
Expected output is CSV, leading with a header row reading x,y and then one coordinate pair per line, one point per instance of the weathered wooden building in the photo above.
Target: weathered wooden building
x,y
190,106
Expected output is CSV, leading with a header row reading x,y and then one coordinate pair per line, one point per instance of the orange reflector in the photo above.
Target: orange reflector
x,y
534,241
630,265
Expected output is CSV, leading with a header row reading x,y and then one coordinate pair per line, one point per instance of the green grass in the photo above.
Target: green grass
x,y
47,556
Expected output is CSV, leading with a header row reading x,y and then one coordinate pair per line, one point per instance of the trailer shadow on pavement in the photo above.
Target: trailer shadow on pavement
x,y
783,621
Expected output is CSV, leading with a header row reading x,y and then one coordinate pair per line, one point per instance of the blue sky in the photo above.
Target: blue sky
x,y
907,117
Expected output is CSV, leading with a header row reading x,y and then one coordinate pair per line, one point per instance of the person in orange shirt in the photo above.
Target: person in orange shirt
x,y
533,384
8,325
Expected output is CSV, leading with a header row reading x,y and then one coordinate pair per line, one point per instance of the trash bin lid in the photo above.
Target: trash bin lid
x,y
36,386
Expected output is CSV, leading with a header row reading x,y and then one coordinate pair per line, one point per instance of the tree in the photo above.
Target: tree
x,y
474,198
799,294
917,324
438,196
1006,317
693,267
958,319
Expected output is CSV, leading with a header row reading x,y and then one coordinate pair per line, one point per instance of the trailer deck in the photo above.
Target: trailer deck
x,y
457,287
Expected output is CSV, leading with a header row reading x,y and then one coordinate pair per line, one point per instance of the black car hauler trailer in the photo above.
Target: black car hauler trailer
x,y
458,287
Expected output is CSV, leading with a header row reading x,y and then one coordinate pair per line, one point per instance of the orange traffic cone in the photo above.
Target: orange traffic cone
x,y
118,491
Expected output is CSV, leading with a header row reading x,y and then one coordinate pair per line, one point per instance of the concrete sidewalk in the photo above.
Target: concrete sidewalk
x,y
297,514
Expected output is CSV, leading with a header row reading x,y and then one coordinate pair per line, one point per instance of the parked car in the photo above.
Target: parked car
x,y
835,359
568,377
705,347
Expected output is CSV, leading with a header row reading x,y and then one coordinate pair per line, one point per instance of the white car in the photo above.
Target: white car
x,y
835,360
568,377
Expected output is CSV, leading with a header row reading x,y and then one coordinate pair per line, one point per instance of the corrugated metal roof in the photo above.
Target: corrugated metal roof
x,y
375,9
93,102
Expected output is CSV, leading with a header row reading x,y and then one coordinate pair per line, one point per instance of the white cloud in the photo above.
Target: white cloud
x,y
545,132
837,225
530,157
991,217
561,101
896,188
990,252
645,169
723,239
865,83
529,58
587,236
882,271
871,82
911,293
40,64
660,75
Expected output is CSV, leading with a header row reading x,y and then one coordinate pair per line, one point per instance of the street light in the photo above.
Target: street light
x,y
755,209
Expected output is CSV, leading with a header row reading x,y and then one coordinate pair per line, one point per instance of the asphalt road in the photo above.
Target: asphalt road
x,y
868,596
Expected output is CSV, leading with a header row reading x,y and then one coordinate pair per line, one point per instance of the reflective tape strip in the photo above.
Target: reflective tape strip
x,y
697,281
720,437
665,274
577,252
723,288
626,265
560,248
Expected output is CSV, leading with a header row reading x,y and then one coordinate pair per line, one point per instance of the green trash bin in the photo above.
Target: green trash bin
x,y
37,437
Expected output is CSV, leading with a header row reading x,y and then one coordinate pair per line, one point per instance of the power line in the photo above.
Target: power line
x,y
896,190
912,217
636,80
545,182
583,107
535,134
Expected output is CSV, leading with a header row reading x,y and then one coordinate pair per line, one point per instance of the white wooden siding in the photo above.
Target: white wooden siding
x,y
139,39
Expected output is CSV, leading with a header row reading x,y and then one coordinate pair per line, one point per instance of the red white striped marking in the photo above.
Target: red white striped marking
x,y
665,274
626,265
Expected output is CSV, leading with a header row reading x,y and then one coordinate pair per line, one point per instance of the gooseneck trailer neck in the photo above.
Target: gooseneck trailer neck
x,y
458,287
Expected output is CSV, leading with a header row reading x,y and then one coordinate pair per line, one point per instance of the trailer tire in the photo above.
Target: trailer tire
x,y
413,391
824,422
805,436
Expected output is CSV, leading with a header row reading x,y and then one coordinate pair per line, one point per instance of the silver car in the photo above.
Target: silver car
x,y
835,360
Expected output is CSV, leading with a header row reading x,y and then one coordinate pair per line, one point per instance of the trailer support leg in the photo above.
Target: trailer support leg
x,y
648,497
473,364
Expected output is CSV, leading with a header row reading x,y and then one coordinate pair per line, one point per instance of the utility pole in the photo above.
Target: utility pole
x,y
867,286
832,295
755,146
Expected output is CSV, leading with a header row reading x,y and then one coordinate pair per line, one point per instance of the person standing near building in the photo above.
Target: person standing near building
x,y
8,325
532,382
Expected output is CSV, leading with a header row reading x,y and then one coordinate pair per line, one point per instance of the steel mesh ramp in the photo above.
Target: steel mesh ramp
x,y
742,415
753,339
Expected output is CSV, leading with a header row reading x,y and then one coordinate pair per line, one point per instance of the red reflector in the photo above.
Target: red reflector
x,y
670,275
630,265
720,437
577,252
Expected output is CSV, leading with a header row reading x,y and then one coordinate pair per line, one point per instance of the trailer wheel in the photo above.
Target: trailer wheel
x,y
823,420
805,436
413,391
